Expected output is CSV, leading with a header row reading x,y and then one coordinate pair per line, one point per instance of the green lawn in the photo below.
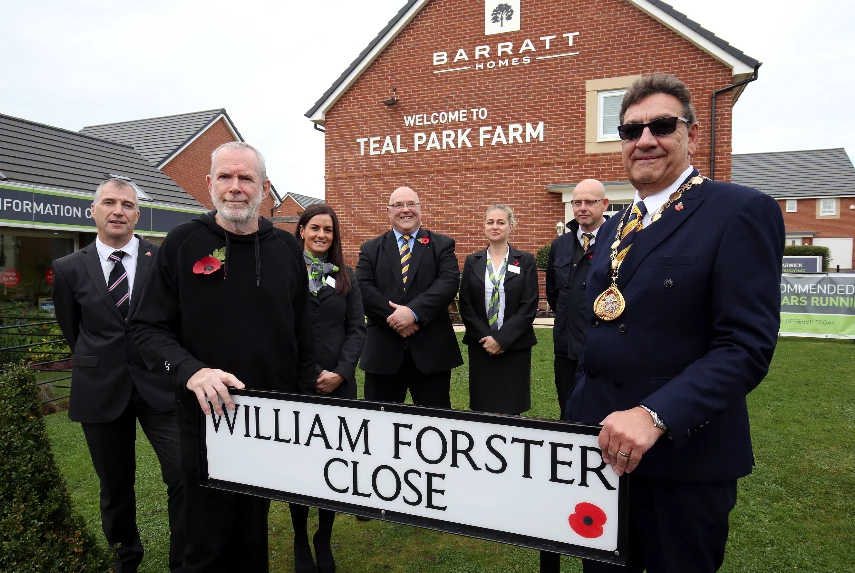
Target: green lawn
x,y
796,512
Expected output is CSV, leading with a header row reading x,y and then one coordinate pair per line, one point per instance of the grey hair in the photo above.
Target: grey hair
x,y
512,221
659,83
118,182
242,146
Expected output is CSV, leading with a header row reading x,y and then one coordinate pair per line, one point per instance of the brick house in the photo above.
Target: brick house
x,y
471,110
816,191
293,205
180,146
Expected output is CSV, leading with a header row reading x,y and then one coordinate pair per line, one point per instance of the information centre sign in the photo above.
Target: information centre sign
x,y
534,483
818,305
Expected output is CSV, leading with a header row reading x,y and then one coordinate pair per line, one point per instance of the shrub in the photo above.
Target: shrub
x,y
809,251
541,259
39,530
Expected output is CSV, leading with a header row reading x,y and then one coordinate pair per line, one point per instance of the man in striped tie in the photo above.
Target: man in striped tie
x,y
95,291
408,276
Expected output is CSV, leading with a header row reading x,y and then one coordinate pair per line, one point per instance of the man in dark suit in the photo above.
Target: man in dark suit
x,y
685,290
95,290
566,275
408,276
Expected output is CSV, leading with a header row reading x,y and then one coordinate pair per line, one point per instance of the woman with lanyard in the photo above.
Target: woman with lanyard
x,y
338,325
498,302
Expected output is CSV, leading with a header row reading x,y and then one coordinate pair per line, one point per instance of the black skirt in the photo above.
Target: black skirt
x,y
499,384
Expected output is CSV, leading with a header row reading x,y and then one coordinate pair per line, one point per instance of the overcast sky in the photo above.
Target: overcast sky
x,y
72,63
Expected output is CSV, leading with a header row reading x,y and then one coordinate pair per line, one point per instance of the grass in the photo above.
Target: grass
x,y
795,512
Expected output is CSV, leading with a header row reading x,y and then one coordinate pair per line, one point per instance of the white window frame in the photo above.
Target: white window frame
x,y
824,210
792,205
600,97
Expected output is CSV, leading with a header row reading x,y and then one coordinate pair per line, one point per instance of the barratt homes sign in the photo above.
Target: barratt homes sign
x,y
536,483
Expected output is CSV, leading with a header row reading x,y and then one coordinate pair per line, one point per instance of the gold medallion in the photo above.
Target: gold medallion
x,y
610,304
696,180
655,218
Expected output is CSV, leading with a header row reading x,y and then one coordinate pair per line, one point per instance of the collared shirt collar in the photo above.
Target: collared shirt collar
x,y
655,201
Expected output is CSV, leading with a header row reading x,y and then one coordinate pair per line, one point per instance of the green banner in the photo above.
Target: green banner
x,y
820,305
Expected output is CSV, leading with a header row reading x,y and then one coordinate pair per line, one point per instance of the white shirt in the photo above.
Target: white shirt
x,y
129,261
488,290
579,232
655,201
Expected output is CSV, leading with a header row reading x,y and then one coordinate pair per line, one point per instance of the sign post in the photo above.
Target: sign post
x,y
533,483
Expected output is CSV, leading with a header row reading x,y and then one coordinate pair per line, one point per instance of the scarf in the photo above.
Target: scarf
x,y
319,269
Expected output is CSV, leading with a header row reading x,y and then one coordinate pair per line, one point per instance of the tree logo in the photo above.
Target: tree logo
x,y
501,13
501,17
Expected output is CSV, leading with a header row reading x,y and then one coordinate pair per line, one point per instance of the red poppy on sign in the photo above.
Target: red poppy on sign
x,y
49,276
587,520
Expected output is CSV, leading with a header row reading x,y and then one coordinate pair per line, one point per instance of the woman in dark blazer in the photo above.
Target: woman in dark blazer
x,y
338,323
498,302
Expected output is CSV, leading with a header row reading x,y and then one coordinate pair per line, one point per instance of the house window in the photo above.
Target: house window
x,y
827,207
794,241
608,114
791,205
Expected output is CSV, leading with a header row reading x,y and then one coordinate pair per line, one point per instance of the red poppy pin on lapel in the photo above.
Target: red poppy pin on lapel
x,y
424,240
678,206
516,263
148,253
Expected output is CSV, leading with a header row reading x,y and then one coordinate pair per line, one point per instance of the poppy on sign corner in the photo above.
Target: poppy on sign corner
x,y
587,520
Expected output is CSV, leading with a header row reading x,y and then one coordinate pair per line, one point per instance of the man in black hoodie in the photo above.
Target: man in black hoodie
x,y
226,306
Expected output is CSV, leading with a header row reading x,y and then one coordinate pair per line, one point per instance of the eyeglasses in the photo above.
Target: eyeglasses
x,y
400,206
585,202
658,128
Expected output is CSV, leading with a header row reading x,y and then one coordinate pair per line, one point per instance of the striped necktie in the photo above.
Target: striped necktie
x,y
632,227
495,279
587,239
405,258
117,283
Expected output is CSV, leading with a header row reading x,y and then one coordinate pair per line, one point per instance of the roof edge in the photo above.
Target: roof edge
x,y
62,129
220,113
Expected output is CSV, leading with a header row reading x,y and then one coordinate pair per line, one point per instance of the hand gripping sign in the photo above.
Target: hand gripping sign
x,y
534,483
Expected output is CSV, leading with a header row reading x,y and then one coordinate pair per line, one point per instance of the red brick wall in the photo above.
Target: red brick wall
x,y
456,185
189,168
805,219
289,208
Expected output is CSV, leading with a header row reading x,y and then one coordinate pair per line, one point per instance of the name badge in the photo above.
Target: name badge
x,y
330,281
513,269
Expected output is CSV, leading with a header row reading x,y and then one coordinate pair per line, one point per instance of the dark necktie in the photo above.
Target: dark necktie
x,y
632,227
118,283
405,258
587,239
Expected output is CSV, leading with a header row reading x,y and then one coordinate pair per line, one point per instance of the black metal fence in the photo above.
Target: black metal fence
x,y
36,340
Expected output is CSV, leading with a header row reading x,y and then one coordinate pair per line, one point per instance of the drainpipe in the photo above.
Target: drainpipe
x,y
712,121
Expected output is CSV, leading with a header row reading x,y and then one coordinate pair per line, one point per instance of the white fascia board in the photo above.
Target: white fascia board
x,y
198,135
738,67
319,115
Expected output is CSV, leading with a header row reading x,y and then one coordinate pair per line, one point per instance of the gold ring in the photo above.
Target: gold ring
x,y
620,453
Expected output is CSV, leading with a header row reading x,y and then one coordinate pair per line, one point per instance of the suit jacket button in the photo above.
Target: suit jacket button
x,y
622,328
595,323
316,310
669,283
317,325
131,361
618,383
317,339
591,374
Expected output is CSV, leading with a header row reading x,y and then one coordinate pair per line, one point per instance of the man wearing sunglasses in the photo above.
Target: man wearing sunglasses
x,y
566,273
685,291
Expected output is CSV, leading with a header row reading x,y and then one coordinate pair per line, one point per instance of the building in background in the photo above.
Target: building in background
x,y
816,191
48,178
294,204
472,103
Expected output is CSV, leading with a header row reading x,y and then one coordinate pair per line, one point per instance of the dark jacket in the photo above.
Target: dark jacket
x,y
702,294
521,296
249,318
566,274
106,364
433,279
338,329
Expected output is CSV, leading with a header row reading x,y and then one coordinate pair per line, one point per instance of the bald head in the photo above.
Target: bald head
x,y
589,202
405,213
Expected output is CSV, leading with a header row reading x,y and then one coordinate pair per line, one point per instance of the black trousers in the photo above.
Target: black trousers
x,y
112,447
565,380
226,532
675,526
426,389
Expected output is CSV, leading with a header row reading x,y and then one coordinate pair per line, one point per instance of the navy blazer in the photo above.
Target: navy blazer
x,y
433,279
702,291
106,363
521,297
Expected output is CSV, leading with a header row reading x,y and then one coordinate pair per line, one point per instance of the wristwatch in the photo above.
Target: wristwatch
x,y
657,421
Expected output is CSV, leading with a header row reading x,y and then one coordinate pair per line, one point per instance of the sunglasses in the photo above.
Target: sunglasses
x,y
658,128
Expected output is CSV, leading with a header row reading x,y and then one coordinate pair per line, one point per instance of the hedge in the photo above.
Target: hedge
x,y
39,530
809,251
541,259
